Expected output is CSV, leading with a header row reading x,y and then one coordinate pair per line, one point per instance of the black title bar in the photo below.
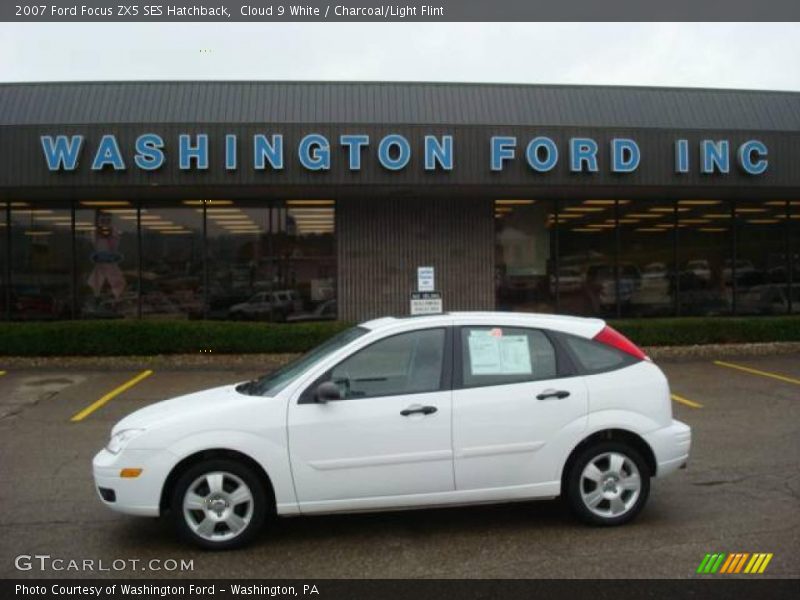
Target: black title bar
x,y
105,11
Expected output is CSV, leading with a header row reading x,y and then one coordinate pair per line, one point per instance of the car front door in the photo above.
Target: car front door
x,y
388,437
516,410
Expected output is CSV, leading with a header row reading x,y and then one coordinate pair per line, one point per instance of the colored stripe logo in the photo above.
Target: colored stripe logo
x,y
735,562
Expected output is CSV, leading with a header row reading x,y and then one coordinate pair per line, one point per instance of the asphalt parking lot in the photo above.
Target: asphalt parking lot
x,y
741,493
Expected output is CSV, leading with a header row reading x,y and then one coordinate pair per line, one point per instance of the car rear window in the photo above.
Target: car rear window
x,y
594,357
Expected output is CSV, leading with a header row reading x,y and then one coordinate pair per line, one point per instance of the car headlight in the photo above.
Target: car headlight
x,y
120,439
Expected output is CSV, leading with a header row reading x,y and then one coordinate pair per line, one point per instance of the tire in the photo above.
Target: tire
x,y
219,504
608,484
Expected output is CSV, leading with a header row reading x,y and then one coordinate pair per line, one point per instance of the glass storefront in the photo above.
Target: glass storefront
x,y
761,272
793,212
41,266
524,250
688,257
214,259
5,291
587,264
648,274
106,259
270,260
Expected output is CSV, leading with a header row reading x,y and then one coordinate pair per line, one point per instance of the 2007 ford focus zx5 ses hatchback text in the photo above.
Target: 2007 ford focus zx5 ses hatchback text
x,y
448,409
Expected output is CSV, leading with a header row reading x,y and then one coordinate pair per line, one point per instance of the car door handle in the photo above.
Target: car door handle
x,y
418,410
547,394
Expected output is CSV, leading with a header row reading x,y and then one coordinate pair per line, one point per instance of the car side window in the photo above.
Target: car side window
x,y
504,355
408,363
595,357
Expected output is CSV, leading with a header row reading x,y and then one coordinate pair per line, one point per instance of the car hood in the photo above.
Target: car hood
x,y
221,398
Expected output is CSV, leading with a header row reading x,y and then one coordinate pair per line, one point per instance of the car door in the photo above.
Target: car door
x,y
517,408
388,436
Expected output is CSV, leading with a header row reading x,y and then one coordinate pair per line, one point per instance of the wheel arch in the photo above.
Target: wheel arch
x,y
618,435
212,453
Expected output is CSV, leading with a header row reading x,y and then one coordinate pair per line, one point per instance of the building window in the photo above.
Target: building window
x,y
171,260
587,243
303,253
237,251
107,261
524,253
647,275
705,241
761,268
794,256
5,290
271,261
41,268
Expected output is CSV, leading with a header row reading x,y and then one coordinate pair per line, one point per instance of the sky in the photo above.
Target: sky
x,y
718,55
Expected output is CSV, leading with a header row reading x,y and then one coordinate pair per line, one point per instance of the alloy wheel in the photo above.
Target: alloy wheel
x,y
218,506
610,484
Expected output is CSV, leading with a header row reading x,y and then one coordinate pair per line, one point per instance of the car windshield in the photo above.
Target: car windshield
x,y
272,383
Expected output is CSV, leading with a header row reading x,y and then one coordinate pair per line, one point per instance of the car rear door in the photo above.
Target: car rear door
x,y
518,407
390,434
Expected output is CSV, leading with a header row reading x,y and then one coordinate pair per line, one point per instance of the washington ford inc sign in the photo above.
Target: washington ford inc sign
x,y
393,152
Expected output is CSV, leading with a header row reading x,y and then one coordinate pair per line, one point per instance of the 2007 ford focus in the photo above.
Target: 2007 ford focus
x,y
448,409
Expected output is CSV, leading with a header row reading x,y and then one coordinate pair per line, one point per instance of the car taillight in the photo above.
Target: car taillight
x,y
612,337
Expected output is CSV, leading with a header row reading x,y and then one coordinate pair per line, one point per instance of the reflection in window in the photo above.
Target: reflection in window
x,y
107,259
304,254
704,257
587,242
172,260
271,261
761,269
4,290
794,255
41,250
646,263
523,255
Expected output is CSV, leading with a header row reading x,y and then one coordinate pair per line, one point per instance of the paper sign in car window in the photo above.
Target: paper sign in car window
x,y
515,355
493,355
484,353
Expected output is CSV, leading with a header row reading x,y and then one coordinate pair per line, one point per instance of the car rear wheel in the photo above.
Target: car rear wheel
x,y
608,484
219,504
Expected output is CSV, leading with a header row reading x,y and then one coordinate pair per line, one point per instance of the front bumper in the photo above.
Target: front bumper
x,y
671,446
134,496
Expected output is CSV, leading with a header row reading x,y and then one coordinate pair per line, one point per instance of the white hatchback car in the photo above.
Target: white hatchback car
x,y
450,409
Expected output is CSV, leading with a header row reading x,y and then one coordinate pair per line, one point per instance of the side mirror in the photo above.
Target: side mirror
x,y
327,391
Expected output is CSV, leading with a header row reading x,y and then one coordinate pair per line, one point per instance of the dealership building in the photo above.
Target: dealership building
x,y
297,201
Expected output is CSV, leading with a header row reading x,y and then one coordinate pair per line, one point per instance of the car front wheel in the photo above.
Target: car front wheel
x,y
219,504
608,484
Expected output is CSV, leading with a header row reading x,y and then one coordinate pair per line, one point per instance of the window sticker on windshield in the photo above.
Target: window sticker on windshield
x,y
499,355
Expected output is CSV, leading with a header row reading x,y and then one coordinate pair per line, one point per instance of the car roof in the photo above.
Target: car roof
x,y
582,326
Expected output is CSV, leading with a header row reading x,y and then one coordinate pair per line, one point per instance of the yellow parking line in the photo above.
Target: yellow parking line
x,y
2,373
686,401
110,396
720,363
